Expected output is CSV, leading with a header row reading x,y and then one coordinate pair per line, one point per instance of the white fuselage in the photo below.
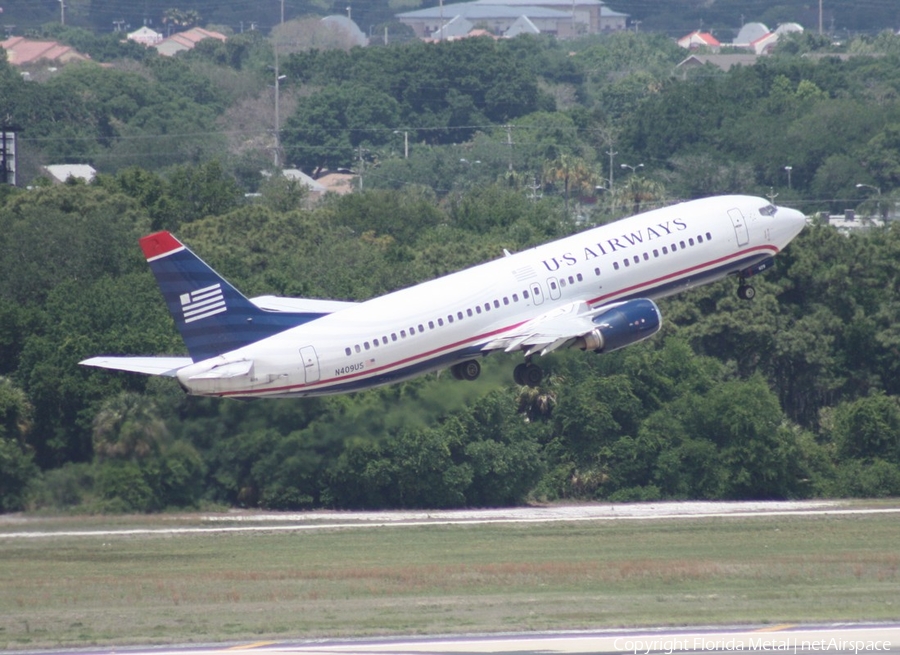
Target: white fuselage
x,y
437,323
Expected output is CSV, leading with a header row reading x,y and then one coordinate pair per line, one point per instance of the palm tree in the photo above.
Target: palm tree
x,y
574,172
128,426
639,193
537,402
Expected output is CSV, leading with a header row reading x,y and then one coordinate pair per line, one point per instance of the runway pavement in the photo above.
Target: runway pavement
x,y
837,639
856,639
329,520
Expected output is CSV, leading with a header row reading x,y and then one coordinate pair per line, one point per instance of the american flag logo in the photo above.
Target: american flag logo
x,y
202,303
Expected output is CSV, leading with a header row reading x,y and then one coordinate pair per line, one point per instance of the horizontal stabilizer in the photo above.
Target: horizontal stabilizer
x,y
225,371
165,366
300,305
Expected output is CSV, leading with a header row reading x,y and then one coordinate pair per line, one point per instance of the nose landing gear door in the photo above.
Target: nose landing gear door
x,y
740,227
310,364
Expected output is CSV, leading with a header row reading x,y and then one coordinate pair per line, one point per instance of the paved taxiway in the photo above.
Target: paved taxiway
x,y
326,520
792,639
837,639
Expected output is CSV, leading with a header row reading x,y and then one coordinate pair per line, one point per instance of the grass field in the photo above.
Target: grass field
x,y
86,590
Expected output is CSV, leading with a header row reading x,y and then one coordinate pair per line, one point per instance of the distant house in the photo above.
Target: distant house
x,y
508,18
749,33
145,36
765,44
724,62
699,39
21,51
59,173
186,41
339,183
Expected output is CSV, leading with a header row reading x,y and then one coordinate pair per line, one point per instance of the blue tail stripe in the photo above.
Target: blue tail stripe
x,y
211,315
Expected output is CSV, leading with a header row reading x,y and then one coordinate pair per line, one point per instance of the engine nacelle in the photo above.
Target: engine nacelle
x,y
622,326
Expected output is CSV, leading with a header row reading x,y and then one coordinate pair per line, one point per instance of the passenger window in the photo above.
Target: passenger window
x,y
459,315
496,304
681,243
674,247
700,239
665,250
430,325
440,322
655,252
358,349
477,309
525,295
597,272
562,284
579,277
421,328
646,257
468,312
691,241
393,336
402,334
515,297
627,263
449,318
505,300
616,265
708,236
637,260
348,351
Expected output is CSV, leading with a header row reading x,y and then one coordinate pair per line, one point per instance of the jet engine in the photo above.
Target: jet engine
x,y
623,325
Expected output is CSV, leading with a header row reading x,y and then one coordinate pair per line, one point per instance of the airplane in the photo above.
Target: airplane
x,y
594,290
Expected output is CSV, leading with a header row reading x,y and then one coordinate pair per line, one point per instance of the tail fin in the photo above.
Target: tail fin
x,y
212,316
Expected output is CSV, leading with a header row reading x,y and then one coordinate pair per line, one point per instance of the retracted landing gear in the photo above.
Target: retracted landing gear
x,y
528,374
468,370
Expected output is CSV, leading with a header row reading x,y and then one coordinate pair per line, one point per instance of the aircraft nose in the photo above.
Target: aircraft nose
x,y
792,219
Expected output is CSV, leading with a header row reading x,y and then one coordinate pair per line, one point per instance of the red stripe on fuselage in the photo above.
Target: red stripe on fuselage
x,y
665,278
480,337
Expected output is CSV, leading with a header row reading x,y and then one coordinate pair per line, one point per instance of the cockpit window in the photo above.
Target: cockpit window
x,y
768,210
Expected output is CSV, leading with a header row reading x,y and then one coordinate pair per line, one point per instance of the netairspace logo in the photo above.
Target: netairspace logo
x,y
767,644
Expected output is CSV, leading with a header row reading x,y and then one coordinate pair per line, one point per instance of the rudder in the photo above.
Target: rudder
x,y
211,315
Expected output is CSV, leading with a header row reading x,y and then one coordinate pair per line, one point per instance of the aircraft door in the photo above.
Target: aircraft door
x,y
740,227
555,291
310,364
537,294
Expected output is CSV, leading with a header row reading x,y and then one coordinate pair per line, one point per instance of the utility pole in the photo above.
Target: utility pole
x,y
282,12
277,108
509,142
820,17
62,12
118,24
611,154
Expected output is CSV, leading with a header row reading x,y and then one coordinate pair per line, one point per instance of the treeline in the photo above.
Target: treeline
x,y
793,395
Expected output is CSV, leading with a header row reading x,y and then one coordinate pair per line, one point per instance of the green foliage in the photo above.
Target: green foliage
x,y
792,395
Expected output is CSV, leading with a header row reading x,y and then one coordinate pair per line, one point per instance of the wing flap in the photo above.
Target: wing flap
x,y
551,330
164,366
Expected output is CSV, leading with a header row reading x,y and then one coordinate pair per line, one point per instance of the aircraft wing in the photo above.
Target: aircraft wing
x,y
165,366
551,330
